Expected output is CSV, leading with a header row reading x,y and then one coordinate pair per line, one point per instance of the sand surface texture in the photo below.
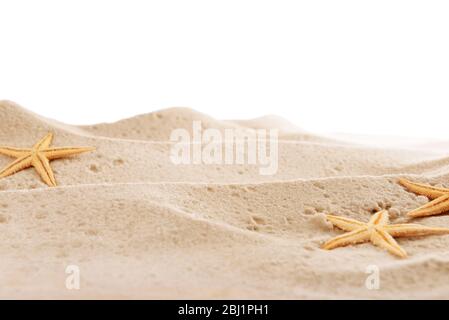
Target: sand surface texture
x,y
138,226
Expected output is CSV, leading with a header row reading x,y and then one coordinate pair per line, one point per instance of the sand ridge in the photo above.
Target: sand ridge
x,y
141,227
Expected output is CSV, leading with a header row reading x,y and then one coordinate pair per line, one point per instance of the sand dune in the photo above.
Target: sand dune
x,y
157,126
139,226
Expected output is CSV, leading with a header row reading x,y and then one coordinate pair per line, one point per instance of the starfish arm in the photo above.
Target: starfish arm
x,y
423,189
353,237
382,239
44,143
16,166
14,152
42,166
345,224
437,206
58,153
411,230
380,218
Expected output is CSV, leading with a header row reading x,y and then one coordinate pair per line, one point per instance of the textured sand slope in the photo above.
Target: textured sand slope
x,y
157,126
178,240
141,227
121,160
118,161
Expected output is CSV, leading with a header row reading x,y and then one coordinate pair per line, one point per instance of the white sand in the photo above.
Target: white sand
x,y
139,226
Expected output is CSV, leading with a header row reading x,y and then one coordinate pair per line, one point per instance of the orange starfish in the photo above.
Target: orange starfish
x,y
39,157
378,231
439,197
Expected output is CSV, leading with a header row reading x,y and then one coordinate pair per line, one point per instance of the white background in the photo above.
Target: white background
x,y
377,67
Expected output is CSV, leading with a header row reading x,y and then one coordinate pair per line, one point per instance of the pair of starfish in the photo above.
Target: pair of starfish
x,y
39,157
378,230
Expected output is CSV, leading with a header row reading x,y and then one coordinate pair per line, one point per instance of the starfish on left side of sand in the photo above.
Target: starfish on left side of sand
x,y
378,231
39,157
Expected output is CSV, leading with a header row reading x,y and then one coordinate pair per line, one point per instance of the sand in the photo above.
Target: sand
x,y
140,227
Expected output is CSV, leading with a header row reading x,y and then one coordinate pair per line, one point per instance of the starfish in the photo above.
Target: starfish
x,y
439,197
378,231
39,157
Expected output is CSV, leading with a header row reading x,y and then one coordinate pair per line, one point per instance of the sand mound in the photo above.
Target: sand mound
x,y
138,226
21,122
157,126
